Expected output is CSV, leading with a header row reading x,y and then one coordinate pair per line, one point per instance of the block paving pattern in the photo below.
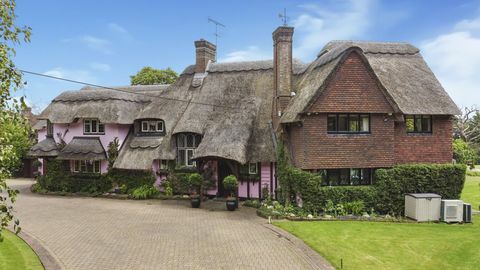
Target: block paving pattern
x,y
96,233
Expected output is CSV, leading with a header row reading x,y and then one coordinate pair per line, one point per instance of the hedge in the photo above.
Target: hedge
x,y
392,184
386,195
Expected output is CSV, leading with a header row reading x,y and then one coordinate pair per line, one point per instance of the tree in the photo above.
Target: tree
x,y
467,126
149,76
10,80
463,152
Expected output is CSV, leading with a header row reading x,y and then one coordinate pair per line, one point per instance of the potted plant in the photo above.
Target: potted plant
x,y
195,180
230,183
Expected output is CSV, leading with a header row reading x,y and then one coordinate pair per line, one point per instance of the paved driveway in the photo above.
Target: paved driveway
x,y
95,233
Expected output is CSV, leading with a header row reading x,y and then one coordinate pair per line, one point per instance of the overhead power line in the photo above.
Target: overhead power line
x,y
125,91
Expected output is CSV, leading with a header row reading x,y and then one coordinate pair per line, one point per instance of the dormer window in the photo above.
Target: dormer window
x,y
152,126
93,126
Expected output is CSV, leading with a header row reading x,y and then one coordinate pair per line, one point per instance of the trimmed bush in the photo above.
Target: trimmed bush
x,y
230,183
132,179
392,184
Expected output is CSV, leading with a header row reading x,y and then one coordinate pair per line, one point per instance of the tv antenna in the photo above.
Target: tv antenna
x,y
284,17
217,24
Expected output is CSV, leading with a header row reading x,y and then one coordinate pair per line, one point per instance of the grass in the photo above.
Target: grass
x,y
471,192
375,245
15,254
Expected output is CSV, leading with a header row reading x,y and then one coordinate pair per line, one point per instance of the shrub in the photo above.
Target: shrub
x,y
463,153
473,173
195,181
36,188
391,185
144,192
179,183
230,183
132,179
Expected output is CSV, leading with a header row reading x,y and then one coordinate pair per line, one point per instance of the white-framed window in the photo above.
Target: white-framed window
x,y
93,126
186,145
86,166
163,164
252,168
152,126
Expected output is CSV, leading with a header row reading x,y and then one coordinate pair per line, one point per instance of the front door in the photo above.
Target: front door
x,y
223,171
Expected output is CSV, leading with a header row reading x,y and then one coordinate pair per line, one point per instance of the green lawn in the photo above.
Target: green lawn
x,y
471,191
15,254
375,245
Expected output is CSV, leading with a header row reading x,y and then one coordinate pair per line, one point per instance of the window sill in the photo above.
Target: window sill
x,y
94,133
349,133
419,133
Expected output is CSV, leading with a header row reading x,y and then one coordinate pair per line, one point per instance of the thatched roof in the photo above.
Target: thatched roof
x,y
109,106
137,153
230,104
399,67
40,124
83,148
45,148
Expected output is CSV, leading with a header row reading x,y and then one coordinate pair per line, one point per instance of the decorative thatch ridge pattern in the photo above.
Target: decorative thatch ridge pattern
x,y
83,148
44,148
399,67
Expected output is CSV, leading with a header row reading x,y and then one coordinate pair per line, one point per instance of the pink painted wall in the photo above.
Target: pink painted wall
x,y
254,186
68,131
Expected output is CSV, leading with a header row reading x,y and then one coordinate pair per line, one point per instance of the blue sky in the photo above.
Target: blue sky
x,y
104,42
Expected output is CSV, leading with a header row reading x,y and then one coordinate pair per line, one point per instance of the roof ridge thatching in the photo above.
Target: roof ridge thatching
x,y
83,148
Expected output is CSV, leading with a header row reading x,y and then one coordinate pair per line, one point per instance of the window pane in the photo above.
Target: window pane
x,y
181,157
418,123
332,122
333,177
189,157
342,123
409,123
355,175
144,126
181,140
353,123
87,128
344,177
159,126
198,140
364,123
190,140
252,168
426,124
101,128
94,126
83,165
365,179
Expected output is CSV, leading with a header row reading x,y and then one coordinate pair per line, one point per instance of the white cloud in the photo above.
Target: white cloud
x,y
100,66
72,74
97,44
317,26
455,59
250,53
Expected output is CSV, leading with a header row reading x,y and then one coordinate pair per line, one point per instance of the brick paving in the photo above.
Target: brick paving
x,y
95,233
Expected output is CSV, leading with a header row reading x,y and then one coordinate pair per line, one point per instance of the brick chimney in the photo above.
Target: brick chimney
x,y
282,69
205,52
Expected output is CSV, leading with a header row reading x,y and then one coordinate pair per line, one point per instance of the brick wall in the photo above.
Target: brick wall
x,y
313,148
352,89
425,148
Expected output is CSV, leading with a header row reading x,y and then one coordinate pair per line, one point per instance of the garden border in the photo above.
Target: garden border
x,y
47,258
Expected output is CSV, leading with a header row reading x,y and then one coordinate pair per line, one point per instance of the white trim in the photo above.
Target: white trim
x,y
89,122
150,122
252,165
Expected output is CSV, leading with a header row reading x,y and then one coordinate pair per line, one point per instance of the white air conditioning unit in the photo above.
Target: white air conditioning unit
x,y
451,211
